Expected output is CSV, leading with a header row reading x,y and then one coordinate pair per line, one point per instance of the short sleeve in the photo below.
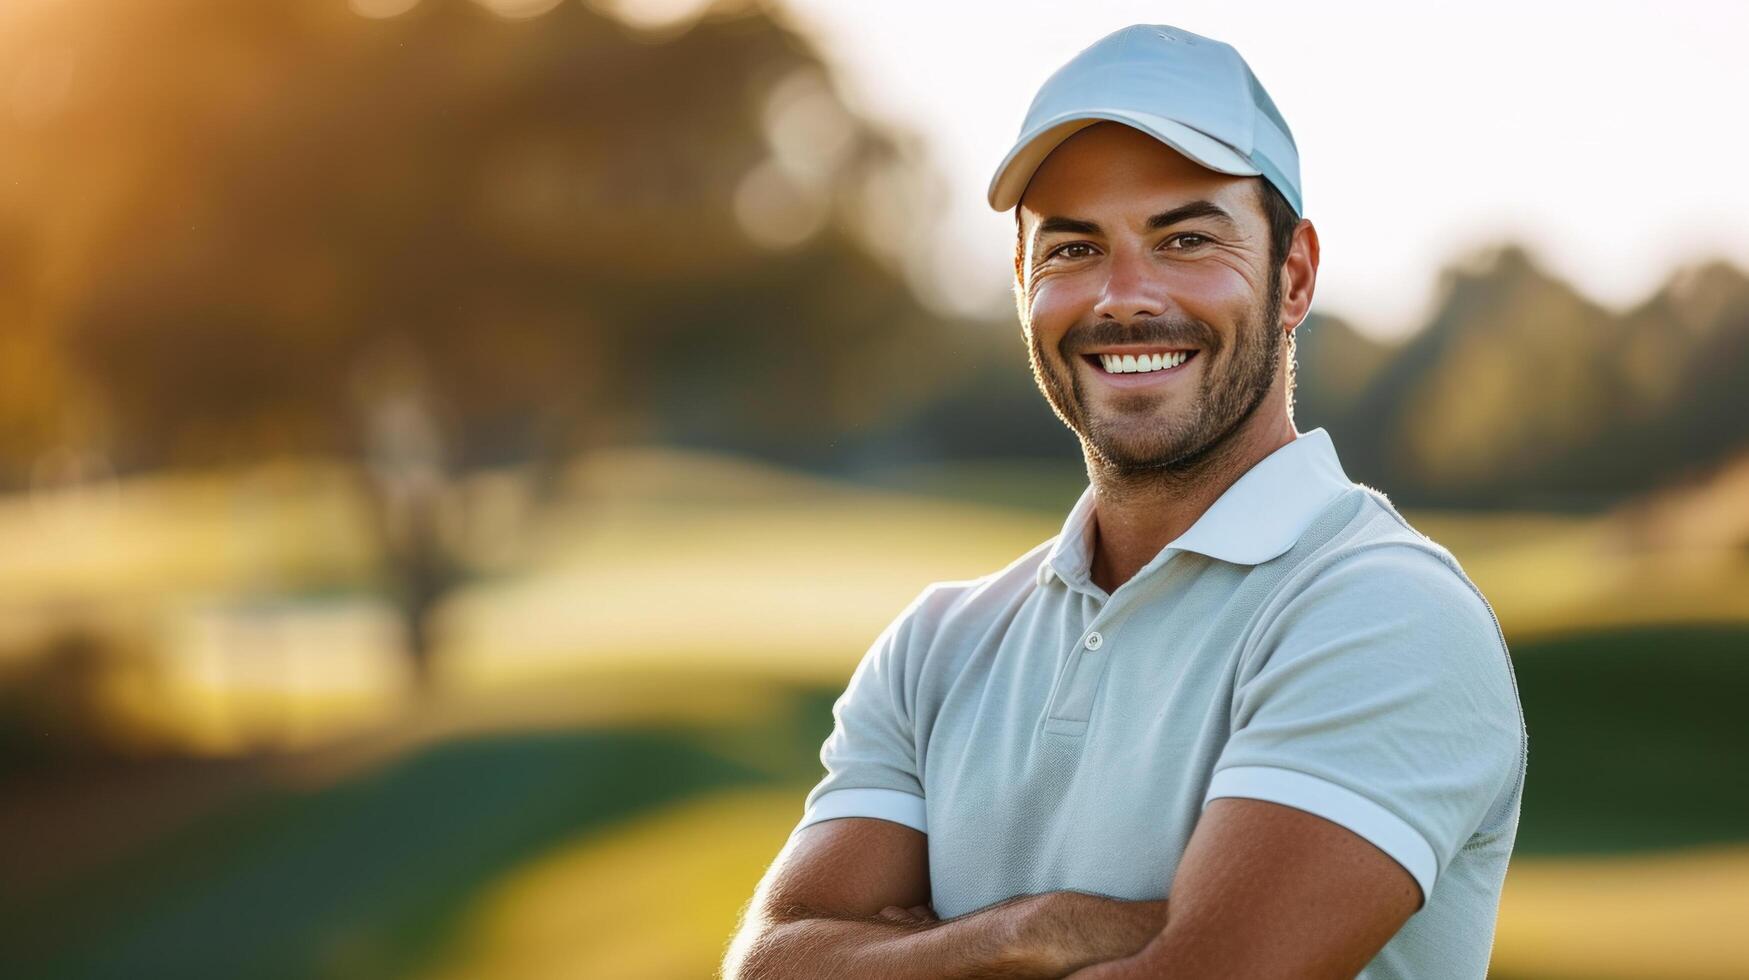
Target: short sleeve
x,y
1380,697
871,755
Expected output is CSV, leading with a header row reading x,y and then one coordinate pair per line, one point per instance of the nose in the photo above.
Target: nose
x,y
1133,290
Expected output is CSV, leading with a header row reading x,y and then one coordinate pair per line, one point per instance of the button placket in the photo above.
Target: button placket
x,y
1083,673
1074,696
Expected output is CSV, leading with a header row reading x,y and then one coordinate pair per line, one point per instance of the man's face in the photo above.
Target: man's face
x,y
1131,251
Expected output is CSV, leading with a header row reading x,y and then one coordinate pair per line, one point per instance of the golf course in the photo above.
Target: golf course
x,y
625,726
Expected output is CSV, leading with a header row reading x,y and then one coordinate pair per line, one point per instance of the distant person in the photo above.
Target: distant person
x,y
1238,719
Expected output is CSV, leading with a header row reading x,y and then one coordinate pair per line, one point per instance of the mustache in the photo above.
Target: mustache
x,y
1083,337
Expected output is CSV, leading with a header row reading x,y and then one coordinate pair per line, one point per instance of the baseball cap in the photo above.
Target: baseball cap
x,y
1195,94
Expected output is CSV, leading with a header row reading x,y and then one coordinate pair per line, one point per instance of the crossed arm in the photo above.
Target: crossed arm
x,y
1263,890
849,899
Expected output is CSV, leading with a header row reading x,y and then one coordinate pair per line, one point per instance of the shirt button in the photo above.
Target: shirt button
x,y
1095,641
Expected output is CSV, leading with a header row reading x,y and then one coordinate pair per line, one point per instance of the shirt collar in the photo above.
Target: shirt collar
x,y
1258,518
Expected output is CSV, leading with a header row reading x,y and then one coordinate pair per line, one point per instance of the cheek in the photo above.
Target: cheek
x,y
1053,309
1214,294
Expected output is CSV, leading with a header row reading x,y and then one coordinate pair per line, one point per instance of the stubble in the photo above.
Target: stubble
x,y
1128,441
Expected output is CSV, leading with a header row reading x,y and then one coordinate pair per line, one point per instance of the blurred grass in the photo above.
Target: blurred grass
x,y
1659,916
680,877
766,568
640,679
627,850
365,878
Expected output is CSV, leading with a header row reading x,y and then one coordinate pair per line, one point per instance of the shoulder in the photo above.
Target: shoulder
x,y
1382,599
1382,616
1385,605
1379,560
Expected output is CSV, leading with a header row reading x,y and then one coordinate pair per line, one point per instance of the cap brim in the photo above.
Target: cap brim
x,y
1016,169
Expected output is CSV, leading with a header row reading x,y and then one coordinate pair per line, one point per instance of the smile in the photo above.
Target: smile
x,y
1142,363
1135,366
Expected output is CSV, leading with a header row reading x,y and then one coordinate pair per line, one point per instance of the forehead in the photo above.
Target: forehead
x,y
1111,169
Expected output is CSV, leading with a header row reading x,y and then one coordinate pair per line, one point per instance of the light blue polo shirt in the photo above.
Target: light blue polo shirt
x,y
1300,643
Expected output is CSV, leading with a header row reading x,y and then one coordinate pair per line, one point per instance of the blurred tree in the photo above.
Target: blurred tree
x,y
236,230
1520,392
255,229
1335,365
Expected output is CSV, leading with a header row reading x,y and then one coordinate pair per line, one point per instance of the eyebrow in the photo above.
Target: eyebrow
x,y
1184,212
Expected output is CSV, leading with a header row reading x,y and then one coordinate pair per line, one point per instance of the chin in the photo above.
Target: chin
x,y
1152,450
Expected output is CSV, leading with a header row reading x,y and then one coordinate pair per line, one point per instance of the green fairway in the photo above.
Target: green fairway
x,y
359,880
1637,739
1635,742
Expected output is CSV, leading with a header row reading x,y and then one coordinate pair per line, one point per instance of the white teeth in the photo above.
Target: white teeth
x,y
1131,364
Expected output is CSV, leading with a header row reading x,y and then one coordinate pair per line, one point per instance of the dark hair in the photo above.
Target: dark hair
x,y
1282,222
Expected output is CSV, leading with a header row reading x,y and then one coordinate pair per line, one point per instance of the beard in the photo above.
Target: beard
x,y
1129,439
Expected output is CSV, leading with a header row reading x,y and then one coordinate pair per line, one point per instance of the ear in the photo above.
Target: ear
x,y
1299,275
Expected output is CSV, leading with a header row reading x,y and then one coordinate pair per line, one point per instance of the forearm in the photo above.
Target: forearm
x,y
1045,936
1077,931
990,944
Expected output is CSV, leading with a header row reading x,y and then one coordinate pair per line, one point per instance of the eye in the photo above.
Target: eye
x,y
1064,248
1196,240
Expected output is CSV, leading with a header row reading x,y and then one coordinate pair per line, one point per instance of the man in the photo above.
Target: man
x,y
1238,719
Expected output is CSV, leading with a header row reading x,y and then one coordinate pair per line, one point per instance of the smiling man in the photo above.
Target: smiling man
x,y
1238,719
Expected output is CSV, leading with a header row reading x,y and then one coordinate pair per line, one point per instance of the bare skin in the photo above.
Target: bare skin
x,y
1157,455
848,899
1265,890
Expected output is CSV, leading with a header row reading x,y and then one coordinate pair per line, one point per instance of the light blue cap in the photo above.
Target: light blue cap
x,y
1195,94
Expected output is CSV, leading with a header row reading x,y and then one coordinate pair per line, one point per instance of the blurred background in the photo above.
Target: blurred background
x,y
453,452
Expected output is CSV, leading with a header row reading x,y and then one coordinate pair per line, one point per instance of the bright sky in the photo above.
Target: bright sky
x,y
1607,136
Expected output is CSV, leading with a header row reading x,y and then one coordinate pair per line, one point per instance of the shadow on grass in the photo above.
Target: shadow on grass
x,y
366,878
1637,739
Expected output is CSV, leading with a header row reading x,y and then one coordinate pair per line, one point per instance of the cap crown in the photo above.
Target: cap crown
x,y
1165,81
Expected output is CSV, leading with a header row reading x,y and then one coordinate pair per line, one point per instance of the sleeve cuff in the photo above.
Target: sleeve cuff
x,y
882,804
1289,787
